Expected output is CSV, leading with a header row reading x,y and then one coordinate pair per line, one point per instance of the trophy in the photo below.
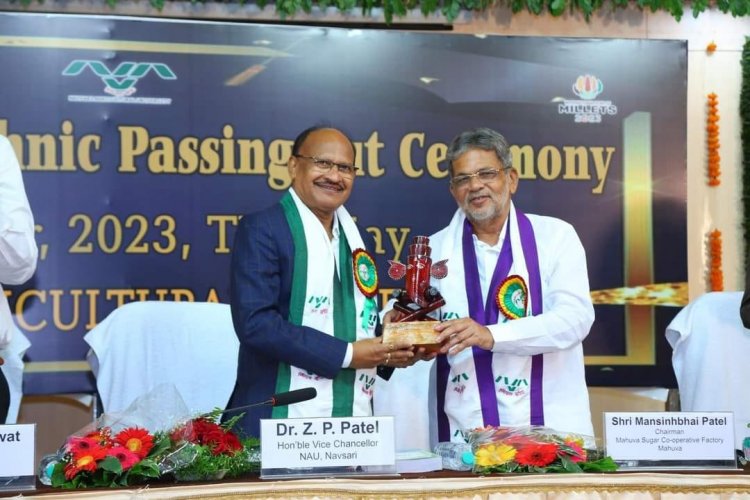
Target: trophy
x,y
418,299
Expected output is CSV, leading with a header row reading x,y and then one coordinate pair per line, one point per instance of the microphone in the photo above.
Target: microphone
x,y
280,399
291,397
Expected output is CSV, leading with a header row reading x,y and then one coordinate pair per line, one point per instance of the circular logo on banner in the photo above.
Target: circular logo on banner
x,y
365,273
512,296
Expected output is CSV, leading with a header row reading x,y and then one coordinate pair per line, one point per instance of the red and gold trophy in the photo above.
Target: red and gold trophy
x,y
418,299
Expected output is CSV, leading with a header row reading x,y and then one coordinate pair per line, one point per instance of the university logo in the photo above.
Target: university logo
x,y
367,383
308,375
448,315
458,382
511,387
318,304
120,83
586,109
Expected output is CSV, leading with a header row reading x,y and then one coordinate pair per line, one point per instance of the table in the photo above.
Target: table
x,y
621,485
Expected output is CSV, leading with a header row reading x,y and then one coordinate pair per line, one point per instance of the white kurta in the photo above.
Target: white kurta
x,y
557,334
18,250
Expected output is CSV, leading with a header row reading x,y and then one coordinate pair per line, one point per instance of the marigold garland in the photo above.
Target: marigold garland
x,y
712,129
716,275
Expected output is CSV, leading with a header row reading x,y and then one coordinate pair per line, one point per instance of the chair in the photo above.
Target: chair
x,y
13,354
711,352
144,344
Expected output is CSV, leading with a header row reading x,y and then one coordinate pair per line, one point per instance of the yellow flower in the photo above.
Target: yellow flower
x,y
489,455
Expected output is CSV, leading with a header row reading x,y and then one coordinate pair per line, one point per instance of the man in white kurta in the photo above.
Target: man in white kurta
x,y
18,252
517,309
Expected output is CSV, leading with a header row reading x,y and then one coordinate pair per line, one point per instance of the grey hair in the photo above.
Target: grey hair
x,y
480,138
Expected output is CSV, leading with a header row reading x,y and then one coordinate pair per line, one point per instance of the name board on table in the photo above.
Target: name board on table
x,y
327,446
670,439
17,464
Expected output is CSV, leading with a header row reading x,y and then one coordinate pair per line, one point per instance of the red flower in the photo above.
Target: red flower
x,y
137,440
84,461
232,442
183,433
78,445
126,457
577,453
538,455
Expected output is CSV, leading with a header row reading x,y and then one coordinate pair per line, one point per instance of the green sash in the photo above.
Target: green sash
x,y
344,310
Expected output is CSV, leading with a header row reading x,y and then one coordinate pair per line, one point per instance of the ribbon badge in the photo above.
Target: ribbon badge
x,y
512,297
365,272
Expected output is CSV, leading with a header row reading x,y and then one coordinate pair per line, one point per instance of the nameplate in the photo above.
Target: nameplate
x,y
327,446
670,439
17,450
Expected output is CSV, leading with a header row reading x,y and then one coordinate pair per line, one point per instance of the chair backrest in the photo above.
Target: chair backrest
x,y
144,344
12,368
711,351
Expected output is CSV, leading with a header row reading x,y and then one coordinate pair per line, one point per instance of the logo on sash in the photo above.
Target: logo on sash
x,y
365,272
512,387
366,383
512,297
458,382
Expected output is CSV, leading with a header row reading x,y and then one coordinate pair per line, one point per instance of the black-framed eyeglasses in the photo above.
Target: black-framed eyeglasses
x,y
325,166
485,176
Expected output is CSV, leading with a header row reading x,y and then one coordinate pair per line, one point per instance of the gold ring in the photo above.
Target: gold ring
x,y
388,358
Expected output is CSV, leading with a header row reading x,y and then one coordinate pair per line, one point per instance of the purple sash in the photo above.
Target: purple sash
x,y
487,314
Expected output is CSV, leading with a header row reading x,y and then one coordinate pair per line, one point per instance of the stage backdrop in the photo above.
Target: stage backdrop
x,y
143,141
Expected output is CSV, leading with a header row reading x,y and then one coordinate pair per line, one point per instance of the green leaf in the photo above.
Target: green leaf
x,y
58,475
605,464
568,465
111,464
534,6
699,6
557,7
428,6
517,5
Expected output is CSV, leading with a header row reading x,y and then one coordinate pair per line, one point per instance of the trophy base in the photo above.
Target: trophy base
x,y
414,333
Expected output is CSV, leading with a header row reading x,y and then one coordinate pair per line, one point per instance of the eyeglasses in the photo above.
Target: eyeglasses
x,y
325,166
485,176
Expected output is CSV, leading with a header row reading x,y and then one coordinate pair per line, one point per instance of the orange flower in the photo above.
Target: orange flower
x,y
715,274
137,440
538,455
711,48
712,140
84,461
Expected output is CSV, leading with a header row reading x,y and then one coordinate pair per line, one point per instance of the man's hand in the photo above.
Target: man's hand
x,y
392,316
369,353
458,334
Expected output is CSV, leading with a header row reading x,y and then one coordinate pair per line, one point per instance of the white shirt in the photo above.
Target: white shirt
x,y
557,333
18,251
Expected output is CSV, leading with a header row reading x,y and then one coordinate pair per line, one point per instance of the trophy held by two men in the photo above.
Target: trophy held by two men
x,y
418,299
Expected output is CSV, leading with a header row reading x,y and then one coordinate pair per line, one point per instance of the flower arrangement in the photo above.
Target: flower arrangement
x,y
716,275
198,449
712,139
533,449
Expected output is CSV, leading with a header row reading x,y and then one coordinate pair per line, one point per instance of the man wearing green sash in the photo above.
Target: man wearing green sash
x,y
303,293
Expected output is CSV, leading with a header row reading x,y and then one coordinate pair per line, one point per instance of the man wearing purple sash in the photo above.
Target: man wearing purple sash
x,y
517,309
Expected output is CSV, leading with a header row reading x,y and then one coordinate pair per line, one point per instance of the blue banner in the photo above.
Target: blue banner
x,y
142,142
